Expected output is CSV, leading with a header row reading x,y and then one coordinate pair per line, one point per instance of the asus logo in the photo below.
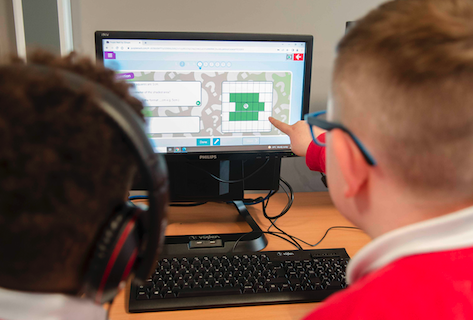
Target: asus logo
x,y
104,34
208,157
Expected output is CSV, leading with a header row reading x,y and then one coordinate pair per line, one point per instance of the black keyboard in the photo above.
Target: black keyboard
x,y
241,279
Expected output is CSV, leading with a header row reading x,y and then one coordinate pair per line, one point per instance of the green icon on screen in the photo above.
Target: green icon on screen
x,y
198,103
147,112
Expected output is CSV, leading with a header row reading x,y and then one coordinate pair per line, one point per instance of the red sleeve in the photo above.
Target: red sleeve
x,y
315,157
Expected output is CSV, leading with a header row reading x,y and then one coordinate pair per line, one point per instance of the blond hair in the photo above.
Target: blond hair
x,y
403,82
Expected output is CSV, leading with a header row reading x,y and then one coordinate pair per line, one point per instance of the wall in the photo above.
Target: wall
x,y
324,19
41,25
7,29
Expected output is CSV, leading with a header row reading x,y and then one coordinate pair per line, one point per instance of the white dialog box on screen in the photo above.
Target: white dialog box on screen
x,y
169,93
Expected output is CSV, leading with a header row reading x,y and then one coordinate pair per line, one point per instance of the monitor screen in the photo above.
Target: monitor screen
x,y
211,92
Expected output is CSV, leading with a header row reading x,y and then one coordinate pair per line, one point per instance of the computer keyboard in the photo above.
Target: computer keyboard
x,y
240,279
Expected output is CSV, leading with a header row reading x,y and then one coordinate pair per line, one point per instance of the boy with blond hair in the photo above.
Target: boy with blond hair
x,y
400,160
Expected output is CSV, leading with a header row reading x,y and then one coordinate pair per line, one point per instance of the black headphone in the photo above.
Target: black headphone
x,y
130,241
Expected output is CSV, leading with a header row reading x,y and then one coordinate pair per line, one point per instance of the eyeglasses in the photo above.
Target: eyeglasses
x,y
314,119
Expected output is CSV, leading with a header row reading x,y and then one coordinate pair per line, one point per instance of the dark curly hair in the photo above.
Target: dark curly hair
x,y
64,167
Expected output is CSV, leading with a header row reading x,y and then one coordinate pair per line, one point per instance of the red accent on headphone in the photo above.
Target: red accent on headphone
x,y
130,264
114,256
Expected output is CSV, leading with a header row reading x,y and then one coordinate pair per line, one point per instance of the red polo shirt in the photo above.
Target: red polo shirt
x,y
315,157
433,286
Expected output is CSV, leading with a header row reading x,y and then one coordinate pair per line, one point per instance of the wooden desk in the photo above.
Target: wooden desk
x,y
310,216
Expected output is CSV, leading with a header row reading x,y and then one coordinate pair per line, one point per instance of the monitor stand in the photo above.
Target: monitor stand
x,y
254,240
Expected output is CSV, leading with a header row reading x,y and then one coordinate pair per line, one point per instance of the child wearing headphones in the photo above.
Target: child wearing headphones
x,y
400,160
64,169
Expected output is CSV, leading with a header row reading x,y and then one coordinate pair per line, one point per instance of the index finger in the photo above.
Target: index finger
x,y
284,127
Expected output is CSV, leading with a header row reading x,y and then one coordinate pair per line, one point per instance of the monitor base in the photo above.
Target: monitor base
x,y
254,240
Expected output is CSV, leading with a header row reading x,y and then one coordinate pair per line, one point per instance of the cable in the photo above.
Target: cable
x,y
324,179
305,242
326,232
290,196
294,240
265,201
232,181
250,202
193,204
265,232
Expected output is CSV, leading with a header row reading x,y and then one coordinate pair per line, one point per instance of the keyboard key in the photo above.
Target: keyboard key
x,y
335,285
278,281
169,294
248,289
260,289
272,288
142,295
285,287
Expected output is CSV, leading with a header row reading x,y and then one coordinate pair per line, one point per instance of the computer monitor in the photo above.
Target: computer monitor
x,y
207,99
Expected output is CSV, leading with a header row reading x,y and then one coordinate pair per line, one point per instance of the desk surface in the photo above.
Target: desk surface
x,y
310,216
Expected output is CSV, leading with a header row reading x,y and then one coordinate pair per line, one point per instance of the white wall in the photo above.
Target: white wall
x,y
324,19
7,29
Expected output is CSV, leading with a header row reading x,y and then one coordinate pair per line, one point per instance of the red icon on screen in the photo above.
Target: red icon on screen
x,y
298,56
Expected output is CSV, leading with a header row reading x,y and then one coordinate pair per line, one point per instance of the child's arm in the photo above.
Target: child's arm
x,y
301,142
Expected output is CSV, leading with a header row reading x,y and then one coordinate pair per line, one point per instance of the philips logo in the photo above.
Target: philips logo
x,y
208,157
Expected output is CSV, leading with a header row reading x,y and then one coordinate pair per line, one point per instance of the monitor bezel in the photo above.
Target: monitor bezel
x,y
146,35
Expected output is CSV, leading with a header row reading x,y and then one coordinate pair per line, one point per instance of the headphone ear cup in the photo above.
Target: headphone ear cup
x,y
114,256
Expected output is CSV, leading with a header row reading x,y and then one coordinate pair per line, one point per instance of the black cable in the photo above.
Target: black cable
x,y
265,232
193,204
288,206
324,179
251,202
295,243
326,232
290,195
286,234
232,181
305,242
272,223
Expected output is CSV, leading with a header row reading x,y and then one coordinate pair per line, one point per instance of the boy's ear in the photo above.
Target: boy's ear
x,y
354,168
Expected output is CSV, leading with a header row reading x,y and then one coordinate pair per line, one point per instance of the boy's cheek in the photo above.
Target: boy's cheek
x,y
334,179
332,172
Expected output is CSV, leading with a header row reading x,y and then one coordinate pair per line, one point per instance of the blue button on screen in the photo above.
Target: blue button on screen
x,y
203,142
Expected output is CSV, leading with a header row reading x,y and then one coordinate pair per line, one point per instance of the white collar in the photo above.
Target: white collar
x,y
448,232
17,305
